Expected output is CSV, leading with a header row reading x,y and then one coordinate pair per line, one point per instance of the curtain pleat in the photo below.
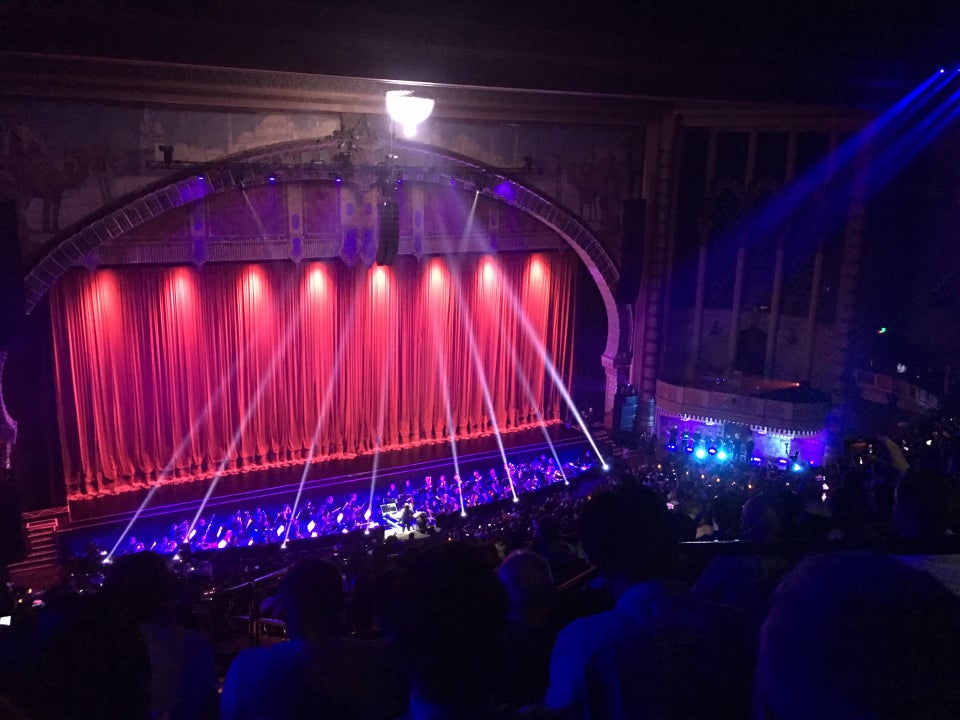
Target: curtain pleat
x,y
178,373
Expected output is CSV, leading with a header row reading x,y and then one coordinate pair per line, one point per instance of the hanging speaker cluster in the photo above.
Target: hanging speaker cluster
x,y
388,241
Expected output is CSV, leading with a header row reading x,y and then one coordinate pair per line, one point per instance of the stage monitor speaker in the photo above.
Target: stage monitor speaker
x,y
11,277
388,241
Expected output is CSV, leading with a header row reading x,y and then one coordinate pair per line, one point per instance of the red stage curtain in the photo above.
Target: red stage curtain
x,y
177,373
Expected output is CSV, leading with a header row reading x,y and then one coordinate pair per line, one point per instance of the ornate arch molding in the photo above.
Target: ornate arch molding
x,y
309,160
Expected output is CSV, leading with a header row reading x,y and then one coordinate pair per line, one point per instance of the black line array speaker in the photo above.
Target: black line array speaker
x,y
11,277
388,241
625,408
13,543
631,265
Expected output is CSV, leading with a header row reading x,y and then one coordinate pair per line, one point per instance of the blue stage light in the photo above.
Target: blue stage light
x,y
722,454
671,447
797,467
756,460
712,451
689,448
700,453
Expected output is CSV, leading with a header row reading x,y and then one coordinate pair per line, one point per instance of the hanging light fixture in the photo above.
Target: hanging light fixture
x,y
408,110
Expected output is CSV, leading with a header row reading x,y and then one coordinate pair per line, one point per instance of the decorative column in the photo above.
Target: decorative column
x,y
651,299
198,233
294,192
741,257
773,327
810,332
837,372
706,225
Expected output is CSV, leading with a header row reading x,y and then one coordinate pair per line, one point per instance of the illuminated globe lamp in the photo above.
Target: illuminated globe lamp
x,y
408,110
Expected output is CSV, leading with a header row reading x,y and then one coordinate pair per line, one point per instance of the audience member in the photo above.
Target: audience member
x,y
924,508
183,680
319,671
448,620
859,635
526,661
80,661
747,579
659,652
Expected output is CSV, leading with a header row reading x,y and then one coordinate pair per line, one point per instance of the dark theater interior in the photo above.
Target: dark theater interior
x,y
479,361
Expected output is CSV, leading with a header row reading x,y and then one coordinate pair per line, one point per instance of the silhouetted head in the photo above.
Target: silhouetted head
x,y
923,504
626,533
143,586
759,521
448,618
529,582
85,661
860,635
313,600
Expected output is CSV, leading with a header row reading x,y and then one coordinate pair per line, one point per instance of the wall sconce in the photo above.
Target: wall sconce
x,y
408,110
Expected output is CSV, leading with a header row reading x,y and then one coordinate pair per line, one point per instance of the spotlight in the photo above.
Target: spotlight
x,y
311,525
407,110
721,454
688,448
338,179
797,467
272,178
200,178
700,453
222,544
605,467
782,462
712,451
671,447
756,460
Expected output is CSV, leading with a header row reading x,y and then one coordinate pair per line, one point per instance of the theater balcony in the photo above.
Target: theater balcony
x,y
765,418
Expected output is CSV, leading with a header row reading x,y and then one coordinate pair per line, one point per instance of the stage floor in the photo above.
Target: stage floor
x,y
280,485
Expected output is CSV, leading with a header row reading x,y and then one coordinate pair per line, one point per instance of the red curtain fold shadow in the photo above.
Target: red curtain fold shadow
x,y
171,373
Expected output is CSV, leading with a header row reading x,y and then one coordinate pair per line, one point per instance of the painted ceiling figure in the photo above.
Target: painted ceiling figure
x,y
35,174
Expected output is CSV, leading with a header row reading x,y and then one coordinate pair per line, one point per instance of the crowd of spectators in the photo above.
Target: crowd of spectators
x,y
587,600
